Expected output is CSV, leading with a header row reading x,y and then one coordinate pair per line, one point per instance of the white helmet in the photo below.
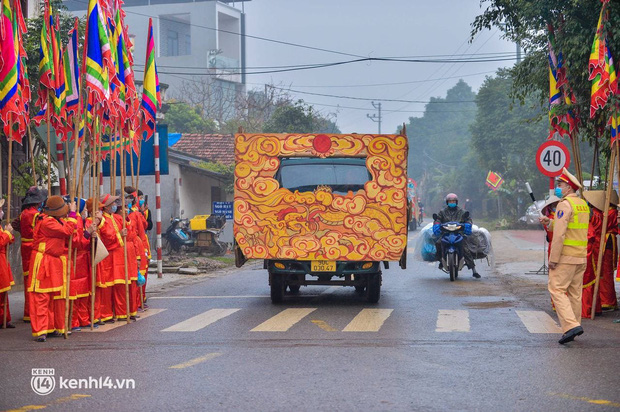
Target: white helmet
x,y
452,196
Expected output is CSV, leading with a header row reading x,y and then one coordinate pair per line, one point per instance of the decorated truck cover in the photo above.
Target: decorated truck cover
x,y
273,222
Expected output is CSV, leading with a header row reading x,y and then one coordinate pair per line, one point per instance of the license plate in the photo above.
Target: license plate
x,y
323,266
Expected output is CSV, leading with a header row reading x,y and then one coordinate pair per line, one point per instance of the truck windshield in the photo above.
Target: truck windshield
x,y
305,174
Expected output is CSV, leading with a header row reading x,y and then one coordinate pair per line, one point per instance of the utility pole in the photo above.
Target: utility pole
x,y
376,118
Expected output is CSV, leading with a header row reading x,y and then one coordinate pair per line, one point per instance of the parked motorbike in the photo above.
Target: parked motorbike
x,y
177,236
451,254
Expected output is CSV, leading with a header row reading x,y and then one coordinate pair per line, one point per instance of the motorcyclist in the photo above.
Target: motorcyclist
x,y
453,213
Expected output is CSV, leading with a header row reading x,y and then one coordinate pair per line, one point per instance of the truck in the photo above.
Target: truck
x,y
321,209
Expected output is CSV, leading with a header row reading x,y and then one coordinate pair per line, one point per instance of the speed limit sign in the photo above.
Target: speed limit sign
x,y
551,157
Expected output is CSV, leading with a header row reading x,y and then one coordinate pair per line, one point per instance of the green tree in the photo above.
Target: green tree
x,y
298,118
574,22
182,118
439,148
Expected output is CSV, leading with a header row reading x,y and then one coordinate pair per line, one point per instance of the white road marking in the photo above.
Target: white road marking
x,y
201,321
368,320
210,297
119,323
284,320
196,361
537,321
452,321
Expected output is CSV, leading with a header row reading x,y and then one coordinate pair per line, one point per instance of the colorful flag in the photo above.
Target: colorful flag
x,y
494,180
596,61
8,71
561,119
601,67
99,65
59,99
46,67
151,99
72,71
614,121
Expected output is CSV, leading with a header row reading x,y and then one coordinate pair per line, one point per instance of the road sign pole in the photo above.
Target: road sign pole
x,y
551,185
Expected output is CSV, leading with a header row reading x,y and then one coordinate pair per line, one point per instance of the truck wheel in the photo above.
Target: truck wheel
x,y
413,225
278,286
360,289
294,288
373,289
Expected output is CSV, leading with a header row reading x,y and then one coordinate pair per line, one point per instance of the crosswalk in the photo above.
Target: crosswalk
x,y
368,320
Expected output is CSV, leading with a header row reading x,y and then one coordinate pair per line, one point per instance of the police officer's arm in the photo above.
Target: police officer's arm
x,y
563,215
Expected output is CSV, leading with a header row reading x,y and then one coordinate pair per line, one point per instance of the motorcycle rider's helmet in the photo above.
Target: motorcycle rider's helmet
x,y
452,196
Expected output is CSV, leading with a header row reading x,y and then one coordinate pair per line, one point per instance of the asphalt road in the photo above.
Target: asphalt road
x,y
429,344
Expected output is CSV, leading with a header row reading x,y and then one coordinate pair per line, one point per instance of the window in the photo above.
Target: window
x,y
305,174
188,44
172,39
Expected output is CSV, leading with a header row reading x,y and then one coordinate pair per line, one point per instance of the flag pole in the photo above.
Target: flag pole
x,y
124,214
131,163
158,204
601,250
112,164
49,150
138,169
93,243
8,211
31,149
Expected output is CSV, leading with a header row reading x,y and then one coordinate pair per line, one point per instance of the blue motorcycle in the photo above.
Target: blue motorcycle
x,y
452,235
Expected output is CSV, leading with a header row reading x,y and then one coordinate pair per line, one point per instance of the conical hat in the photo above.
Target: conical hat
x,y
552,199
597,198
100,251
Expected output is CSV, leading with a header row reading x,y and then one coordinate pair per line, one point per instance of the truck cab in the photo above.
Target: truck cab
x,y
321,209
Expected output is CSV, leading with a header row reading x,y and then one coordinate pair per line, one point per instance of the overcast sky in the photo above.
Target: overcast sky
x,y
366,28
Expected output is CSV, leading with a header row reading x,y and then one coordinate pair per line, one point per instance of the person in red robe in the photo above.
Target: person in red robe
x,y
81,279
24,224
48,265
6,276
607,295
140,224
112,234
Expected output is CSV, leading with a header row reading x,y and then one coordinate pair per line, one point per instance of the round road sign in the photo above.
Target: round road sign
x,y
551,157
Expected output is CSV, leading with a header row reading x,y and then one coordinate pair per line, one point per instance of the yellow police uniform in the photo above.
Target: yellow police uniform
x,y
568,251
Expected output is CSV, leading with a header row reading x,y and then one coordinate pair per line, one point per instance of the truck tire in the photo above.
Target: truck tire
x,y
413,225
373,288
294,288
278,286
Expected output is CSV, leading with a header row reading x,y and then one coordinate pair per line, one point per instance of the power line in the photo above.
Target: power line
x,y
324,65
238,34
370,98
387,84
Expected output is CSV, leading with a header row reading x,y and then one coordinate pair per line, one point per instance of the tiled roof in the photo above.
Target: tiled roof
x,y
213,147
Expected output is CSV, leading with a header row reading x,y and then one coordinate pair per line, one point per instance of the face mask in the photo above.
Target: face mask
x,y
451,204
114,209
558,192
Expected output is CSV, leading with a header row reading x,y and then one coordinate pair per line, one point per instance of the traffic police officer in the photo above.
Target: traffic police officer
x,y
567,260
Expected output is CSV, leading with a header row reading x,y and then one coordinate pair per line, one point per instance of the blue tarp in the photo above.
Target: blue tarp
x,y
173,138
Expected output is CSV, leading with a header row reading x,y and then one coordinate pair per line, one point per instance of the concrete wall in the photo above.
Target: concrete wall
x,y
182,189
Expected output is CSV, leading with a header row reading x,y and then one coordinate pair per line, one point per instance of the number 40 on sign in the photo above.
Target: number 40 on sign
x,y
551,157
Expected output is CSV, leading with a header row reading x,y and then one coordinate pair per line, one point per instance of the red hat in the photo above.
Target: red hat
x,y
572,181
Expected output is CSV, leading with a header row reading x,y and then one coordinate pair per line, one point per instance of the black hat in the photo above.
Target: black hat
x,y
34,195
